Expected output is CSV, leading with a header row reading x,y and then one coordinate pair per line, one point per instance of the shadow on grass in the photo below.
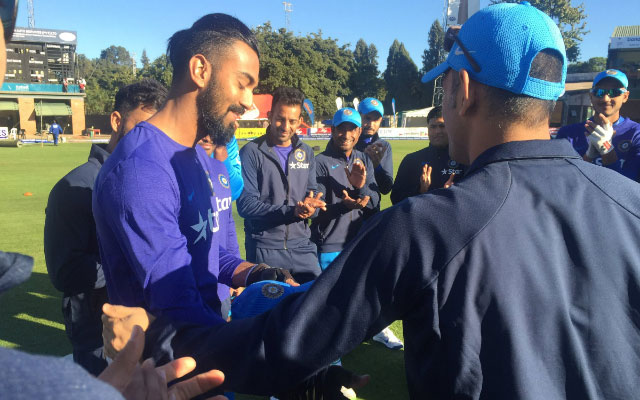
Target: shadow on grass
x,y
31,317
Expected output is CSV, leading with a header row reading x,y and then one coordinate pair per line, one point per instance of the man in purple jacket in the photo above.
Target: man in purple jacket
x,y
162,206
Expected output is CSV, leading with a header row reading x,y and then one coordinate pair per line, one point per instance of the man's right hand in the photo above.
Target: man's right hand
x,y
146,381
117,326
306,208
425,178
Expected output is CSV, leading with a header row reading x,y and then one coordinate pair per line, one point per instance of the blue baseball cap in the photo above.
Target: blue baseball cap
x,y
262,296
613,74
369,105
347,114
504,39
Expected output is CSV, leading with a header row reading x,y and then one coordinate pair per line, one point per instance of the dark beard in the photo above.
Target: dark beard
x,y
209,123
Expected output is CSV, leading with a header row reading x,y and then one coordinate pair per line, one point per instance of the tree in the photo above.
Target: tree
x,y
402,79
433,56
117,55
160,69
595,64
571,21
364,80
144,59
315,65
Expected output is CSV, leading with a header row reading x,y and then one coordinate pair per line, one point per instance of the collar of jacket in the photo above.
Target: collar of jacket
x,y
99,152
374,138
523,150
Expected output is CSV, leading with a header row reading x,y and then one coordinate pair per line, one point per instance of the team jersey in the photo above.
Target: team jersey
x,y
165,231
626,143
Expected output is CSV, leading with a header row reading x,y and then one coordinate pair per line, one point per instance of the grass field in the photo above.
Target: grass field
x,y
30,317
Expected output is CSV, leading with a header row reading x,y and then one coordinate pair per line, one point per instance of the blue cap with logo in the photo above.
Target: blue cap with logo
x,y
504,39
262,296
369,105
347,114
613,74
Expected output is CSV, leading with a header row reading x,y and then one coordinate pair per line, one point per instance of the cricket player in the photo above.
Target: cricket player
x,y
608,138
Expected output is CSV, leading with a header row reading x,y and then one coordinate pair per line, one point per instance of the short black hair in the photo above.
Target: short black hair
x,y
210,36
510,107
287,96
148,92
436,112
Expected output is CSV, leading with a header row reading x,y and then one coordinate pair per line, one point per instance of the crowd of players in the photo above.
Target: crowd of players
x,y
504,289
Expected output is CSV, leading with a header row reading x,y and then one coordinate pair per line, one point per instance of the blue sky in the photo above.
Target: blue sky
x,y
145,24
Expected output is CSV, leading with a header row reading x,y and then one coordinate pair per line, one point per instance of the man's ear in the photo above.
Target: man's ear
x,y
199,70
467,94
116,121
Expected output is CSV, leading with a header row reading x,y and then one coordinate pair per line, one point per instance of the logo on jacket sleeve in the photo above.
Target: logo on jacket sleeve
x,y
272,291
223,181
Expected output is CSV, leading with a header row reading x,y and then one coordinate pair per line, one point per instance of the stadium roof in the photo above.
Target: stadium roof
x,y
626,31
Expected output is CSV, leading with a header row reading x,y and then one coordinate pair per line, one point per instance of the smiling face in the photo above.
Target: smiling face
x,y
609,106
345,136
284,120
371,123
228,93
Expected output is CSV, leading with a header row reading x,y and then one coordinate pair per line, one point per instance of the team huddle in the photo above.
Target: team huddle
x,y
510,258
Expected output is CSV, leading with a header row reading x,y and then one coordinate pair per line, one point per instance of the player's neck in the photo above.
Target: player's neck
x,y
491,136
178,120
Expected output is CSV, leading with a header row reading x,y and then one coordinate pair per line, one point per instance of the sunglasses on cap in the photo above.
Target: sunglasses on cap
x,y
8,14
598,92
451,37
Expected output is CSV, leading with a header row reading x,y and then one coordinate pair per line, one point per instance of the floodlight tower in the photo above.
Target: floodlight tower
x,y
288,8
32,20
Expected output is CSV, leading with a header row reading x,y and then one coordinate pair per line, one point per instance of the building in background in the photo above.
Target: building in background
x,y
624,55
40,83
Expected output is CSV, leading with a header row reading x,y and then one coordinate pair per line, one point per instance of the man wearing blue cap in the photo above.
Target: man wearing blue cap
x,y
379,150
345,176
504,289
608,139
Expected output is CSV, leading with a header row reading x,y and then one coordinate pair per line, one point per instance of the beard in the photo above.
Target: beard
x,y
208,122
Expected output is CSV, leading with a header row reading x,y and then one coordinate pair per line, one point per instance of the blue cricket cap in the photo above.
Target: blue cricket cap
x,y
613,74
262,296
369,105
347,114
504,39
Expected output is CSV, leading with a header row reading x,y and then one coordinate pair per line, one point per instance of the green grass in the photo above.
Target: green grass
x,y
31,318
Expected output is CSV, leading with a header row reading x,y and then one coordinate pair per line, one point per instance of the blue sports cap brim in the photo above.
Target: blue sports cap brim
x,y
435,72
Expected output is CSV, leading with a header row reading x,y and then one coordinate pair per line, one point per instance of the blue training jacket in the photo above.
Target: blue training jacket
x,y
522,281
332,229
270,195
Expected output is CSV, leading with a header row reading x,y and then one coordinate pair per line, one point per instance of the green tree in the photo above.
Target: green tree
x,y
571,21
144,59
364,80
594,64
160,69
318,66
402,79
433,56
117,55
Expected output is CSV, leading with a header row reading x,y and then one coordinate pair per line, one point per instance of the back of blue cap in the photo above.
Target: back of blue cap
x,y
504,39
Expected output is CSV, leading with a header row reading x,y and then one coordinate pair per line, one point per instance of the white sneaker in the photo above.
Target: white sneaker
x,y
387,338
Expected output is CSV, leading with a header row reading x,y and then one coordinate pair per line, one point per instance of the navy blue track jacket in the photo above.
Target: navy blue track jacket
x,y
268,200
332,229
522,281
384,171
